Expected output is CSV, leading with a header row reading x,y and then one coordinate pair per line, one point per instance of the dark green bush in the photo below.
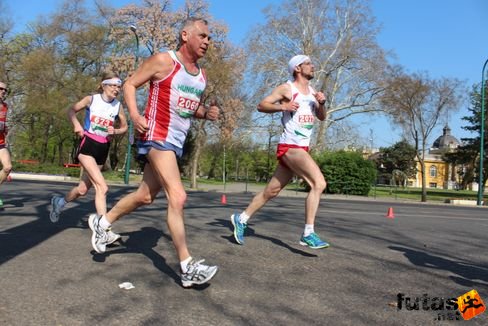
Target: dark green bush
x,y
346,172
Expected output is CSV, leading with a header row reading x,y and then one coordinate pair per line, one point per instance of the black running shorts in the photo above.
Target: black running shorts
x,y
90,147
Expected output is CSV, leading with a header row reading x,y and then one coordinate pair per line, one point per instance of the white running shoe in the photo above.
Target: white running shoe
x,y
112,237
100,237
197,273
55,209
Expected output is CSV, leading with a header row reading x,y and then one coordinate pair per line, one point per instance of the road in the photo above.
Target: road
x,y
50,275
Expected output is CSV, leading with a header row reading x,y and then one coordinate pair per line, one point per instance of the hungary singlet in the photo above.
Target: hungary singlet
x,y
298,125
3,123
99,116
172,102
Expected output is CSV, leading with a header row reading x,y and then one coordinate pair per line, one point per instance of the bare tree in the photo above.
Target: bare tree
x,y
157,28
345,134
6,23
339,36
56,63
7,49
418,103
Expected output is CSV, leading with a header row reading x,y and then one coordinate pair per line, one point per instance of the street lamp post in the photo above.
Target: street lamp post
x,y
224,176
482,136
133,28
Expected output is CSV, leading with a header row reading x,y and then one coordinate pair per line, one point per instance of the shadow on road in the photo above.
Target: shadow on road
x,y
21,238
251,233
143,242
466,272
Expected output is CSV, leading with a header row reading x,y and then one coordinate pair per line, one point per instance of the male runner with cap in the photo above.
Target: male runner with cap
x,y
300,105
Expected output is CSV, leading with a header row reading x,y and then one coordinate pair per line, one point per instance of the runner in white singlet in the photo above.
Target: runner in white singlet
x,y
173,100
176,86
101,112
300,105
298,125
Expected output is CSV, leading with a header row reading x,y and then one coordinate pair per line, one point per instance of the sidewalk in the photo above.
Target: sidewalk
x,y
233,187
236,187
252,188
40,177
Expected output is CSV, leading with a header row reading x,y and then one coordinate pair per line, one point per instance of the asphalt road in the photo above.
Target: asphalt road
x,y
50,275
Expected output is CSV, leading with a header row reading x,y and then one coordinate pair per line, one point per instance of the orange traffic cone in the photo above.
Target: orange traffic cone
x,y
390,214
223,200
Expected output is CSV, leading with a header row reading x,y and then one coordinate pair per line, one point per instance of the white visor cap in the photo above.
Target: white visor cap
x,y
296,61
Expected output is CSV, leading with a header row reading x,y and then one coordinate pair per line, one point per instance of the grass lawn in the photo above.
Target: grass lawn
x,y
441,195
433,195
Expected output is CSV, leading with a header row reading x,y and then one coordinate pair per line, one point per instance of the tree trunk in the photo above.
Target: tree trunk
x,y
213,166
44,149
60,151
108,164
195,157
424,182
321,131
194,167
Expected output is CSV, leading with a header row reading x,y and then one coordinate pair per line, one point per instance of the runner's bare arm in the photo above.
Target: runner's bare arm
x,y
278,101
321,111
156,67
210,113
77,107
123,122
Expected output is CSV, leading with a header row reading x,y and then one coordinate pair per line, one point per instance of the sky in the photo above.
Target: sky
x,y
445,38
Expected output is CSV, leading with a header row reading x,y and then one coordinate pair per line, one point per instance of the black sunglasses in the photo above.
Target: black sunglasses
x,y
3,89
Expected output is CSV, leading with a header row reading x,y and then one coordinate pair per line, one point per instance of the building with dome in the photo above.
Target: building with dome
x,y
446,142
439,173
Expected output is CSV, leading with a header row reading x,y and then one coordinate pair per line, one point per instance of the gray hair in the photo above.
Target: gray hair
x,y
189,22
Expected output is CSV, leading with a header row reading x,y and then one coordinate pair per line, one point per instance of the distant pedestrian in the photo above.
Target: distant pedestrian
x,y
299,104
5,159
101,112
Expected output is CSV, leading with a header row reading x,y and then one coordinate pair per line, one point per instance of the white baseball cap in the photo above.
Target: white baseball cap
x,y
296,61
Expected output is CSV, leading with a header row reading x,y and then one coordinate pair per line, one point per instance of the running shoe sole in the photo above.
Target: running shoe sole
x,y
94,233
314,247
52,214
187,284
235,230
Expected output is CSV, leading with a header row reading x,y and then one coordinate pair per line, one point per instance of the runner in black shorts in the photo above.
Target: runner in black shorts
x,y
90,147
102,110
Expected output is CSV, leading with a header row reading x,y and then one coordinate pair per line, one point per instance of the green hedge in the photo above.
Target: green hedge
x,y
346,172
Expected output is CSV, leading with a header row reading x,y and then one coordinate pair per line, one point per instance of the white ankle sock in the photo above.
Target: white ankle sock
x,y
243,217
308,230
184,264
104,223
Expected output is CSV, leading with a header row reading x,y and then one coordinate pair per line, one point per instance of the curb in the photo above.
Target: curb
x,y
44,177
238,190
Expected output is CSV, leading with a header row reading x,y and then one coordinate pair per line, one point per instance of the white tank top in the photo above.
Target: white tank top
x,y
172,102
298,125
99,116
